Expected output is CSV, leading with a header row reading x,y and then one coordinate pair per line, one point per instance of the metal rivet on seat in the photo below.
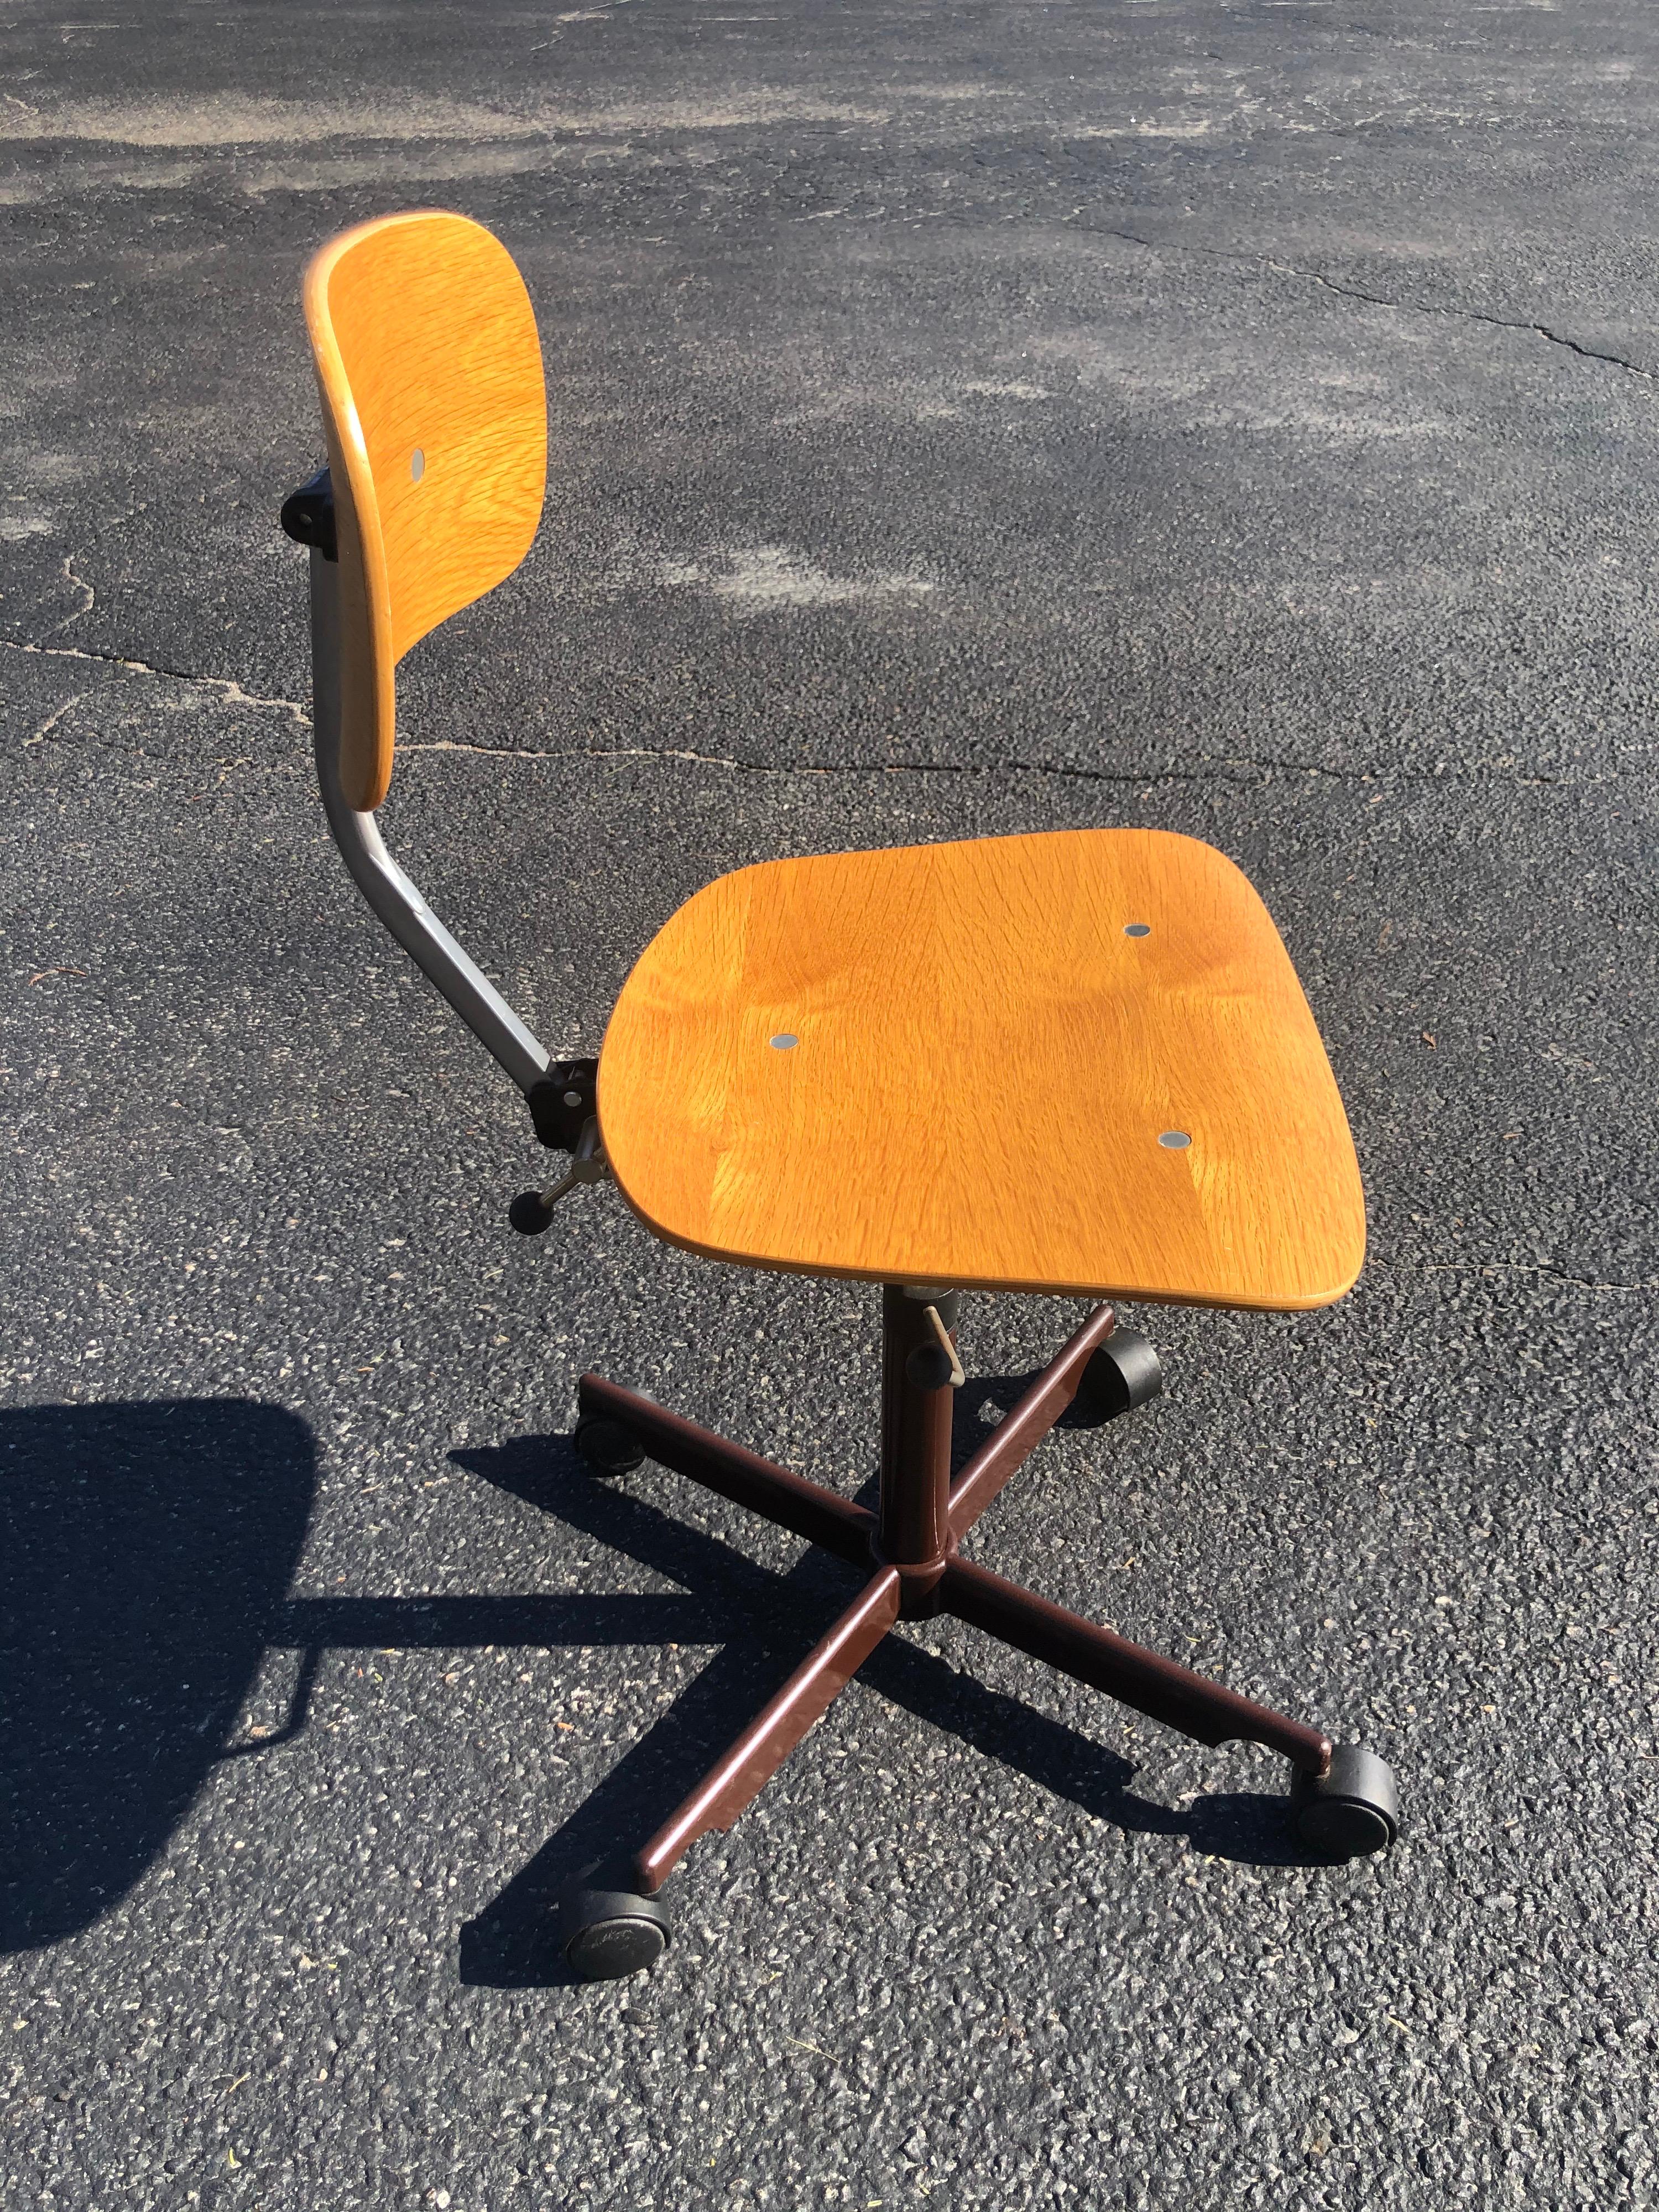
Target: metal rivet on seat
x,y
783,1040
1137,929
1175,1141
417,465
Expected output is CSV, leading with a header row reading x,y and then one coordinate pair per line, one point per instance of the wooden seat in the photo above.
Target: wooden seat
x,y
1077,1061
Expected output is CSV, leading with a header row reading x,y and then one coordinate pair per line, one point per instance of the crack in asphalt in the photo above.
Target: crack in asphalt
x,y
36,737
1278,268
1649,1283
80,583
1212,765
231,691
1209,764
1065,768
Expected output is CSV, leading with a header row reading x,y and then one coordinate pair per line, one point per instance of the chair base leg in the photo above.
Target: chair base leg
x,y
737,1777
823,1517
1188,1703
916,1482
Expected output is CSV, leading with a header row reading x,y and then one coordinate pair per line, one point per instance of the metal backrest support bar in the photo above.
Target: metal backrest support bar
x,y
378,876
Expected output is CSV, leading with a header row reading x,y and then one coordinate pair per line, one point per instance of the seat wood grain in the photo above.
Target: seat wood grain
x,y
991,1078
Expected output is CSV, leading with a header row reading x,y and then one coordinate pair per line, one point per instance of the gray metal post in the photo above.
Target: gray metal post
x,y
378,876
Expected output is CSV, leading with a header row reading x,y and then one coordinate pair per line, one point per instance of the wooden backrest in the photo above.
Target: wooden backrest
x,y
436,414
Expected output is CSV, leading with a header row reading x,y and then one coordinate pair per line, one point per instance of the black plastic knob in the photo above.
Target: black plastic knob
x,y
530,1214
929,1367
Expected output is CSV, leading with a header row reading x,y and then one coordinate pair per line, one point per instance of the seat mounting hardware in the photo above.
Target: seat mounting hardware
x,y
562,1102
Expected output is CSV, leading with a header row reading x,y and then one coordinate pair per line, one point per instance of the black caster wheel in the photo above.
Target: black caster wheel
x,y
1123,1373
607,1933
1353,1810
608,1448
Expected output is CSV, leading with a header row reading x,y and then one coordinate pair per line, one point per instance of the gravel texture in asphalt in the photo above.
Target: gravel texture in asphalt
x,y
965,418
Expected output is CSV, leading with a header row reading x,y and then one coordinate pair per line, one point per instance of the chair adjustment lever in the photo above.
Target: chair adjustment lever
x,y
931,1366
531,1211
936,1322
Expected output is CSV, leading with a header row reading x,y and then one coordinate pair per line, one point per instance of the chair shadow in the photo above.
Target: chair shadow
x,y
767,1623
146,1553
142,1548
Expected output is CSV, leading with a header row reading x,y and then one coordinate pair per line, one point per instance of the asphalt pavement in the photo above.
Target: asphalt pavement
x,y
1241,420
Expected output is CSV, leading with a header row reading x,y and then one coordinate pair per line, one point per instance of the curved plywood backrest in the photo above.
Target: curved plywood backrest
x,y
435,413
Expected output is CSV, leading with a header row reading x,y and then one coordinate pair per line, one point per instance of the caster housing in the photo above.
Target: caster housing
x,y
608,1448
1350,1810
605,1933
1122,1373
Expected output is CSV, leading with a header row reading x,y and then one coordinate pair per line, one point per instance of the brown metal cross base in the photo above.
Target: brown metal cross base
x,y
910,1544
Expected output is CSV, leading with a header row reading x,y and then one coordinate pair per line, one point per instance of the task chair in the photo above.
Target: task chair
x,y
1077,1063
